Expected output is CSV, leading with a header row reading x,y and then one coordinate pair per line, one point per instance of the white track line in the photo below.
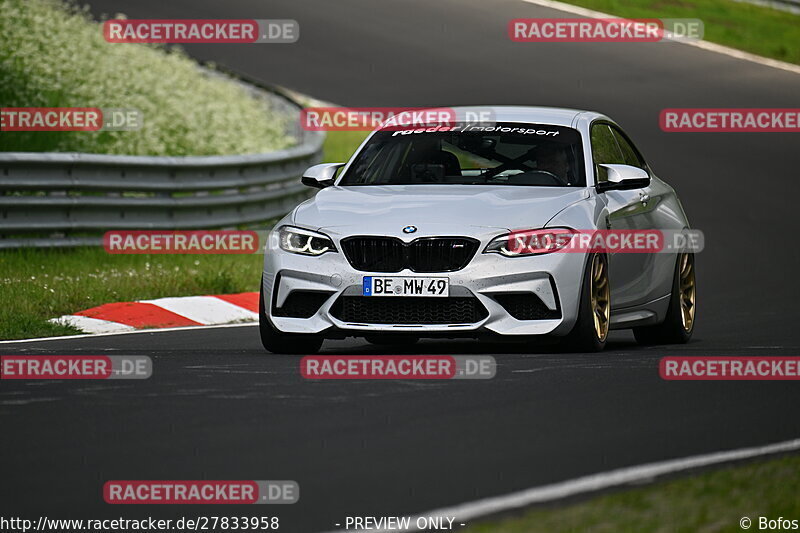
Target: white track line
x,y
705,45
595,482
155,330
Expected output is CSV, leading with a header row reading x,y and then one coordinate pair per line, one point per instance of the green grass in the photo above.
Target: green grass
x,y
340,145
709,502
759,30
40,284
36,285
53,55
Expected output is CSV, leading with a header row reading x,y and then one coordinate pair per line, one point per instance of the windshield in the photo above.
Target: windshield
x,y
472,154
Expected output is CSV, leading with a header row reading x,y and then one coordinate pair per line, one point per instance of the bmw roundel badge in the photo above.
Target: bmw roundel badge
x,y
409,229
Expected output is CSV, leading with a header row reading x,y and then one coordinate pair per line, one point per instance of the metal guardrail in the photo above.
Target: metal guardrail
x,y
70,199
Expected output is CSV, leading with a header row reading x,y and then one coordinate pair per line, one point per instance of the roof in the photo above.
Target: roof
x,y
557,116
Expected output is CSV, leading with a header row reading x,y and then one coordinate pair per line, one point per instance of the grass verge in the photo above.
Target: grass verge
x,y
756,29
712,501
39,284
53,55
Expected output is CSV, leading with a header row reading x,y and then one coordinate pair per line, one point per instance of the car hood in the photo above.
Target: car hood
x,y
433,209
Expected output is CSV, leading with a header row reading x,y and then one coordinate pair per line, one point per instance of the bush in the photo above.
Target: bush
x,y
54,55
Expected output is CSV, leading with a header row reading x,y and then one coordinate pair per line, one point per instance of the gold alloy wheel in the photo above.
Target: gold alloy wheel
x,y
601,303
686,287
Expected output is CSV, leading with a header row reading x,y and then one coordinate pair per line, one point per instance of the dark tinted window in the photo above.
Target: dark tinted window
x,y
629,153
472,154
604,149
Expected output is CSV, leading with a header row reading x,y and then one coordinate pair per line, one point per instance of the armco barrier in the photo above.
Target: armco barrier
x,y
70,199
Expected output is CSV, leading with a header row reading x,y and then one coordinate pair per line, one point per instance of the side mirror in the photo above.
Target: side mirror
x,y
623,178
321,176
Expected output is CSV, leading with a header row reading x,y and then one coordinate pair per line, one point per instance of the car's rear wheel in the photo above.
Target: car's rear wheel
x,y
678,325
391,340
287,343
594,309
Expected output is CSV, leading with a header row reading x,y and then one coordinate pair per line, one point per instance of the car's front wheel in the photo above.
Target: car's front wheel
x,y
286,343
678,325
594,309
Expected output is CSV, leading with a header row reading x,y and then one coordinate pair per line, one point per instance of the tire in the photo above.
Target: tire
x,y
284,343
678,325
588,334
392,341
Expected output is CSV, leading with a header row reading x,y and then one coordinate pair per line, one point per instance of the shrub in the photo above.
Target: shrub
x,y
54,55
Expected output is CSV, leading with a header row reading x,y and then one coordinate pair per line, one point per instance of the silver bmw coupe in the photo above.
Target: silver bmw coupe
x,y
415,237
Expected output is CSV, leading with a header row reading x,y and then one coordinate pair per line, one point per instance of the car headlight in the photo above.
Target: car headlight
x,y
303,241
530,242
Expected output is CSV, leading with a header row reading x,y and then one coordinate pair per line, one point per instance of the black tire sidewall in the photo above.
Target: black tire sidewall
x,y
671,330
674,321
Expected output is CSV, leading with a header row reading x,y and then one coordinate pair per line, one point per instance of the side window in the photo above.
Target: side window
x,y
629,153
604,150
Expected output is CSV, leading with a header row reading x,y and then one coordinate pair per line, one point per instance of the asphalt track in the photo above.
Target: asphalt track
x,y
217,407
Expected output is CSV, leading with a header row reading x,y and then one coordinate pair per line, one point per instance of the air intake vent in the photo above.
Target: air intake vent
x,y
526,306
301,304
427,254
408,310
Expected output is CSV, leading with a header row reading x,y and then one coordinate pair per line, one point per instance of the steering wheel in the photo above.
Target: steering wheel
x,y
548,174
545,174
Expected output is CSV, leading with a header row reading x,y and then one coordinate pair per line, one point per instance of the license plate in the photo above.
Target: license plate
x,y
402,286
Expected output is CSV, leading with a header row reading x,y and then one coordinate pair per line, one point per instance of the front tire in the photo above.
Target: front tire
x,y
594,309
284,343
678,325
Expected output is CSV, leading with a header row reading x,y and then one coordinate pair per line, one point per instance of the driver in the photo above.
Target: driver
x,y
555,161
428,151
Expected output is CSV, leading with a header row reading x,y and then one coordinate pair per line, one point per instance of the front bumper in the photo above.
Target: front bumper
x,y
554,278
